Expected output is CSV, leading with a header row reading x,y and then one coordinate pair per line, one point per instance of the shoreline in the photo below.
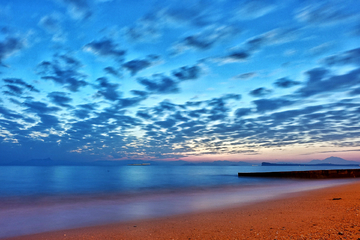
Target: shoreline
x,y
327,213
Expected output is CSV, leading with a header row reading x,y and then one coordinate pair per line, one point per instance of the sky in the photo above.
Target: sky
x,y
90,80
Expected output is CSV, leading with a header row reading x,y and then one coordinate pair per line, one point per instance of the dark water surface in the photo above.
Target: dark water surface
x,y
69,180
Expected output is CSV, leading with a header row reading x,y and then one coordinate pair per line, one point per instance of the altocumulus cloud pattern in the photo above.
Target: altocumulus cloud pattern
x,y
94,80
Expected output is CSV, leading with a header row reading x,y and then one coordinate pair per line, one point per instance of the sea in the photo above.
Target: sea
x,y
35,199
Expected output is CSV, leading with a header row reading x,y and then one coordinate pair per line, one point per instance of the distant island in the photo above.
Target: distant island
x,y
139,164
331,161
300,164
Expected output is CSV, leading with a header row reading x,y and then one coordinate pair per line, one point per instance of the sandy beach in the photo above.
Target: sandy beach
x,y
329,213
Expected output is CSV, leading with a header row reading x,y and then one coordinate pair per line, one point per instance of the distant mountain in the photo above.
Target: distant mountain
x,y
168,163
175,163
40,162
50,162
333,160
223,163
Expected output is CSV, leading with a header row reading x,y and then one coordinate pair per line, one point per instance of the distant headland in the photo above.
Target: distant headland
x,y
331,161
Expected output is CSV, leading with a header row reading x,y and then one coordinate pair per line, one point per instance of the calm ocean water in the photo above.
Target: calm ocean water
x,y
70,180
35,199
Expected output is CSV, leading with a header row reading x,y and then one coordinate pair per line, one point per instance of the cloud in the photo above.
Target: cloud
x,y
105,48
139,93
258,42
138,123
206,39
17,81
238,56
284,116
323,13
60,99
242,112
320,81
9,114
13,90
47,121
193,13
235,56
232,96
9,46
179,117
121,120
168,123
255,44
356,30
102,126
355,91
259,92
51,23
264,105
88,106
319,123
198,113
81,113
164,106
218,109
15,101
143,114
39,107
134,66
63,70
187,73
273,37
129,102
245,76
107,90
254,9
322,48
285,83
113,72
350,57
193,103
193,42
275,130
145,29
43,111
159,84
78,9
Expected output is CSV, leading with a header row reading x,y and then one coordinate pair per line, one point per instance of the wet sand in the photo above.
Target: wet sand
x,y
330,213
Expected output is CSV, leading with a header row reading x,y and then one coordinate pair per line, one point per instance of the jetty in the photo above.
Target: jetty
x,y
315,174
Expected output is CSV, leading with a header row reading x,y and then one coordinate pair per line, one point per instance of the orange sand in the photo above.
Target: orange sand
x,y
317,214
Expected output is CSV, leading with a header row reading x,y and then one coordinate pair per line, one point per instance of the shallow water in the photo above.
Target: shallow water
x,y
38,199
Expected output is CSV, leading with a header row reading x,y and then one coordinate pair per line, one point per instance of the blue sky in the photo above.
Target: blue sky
x,y
95,80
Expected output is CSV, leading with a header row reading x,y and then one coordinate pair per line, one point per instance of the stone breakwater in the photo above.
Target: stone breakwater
x,y
315,174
